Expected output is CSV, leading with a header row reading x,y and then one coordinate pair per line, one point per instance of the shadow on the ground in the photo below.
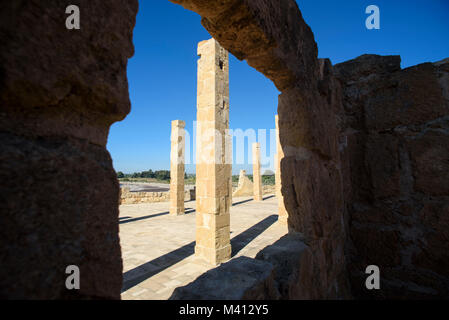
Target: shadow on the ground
x,y
241,240
249,200
242,202
141,273
188,210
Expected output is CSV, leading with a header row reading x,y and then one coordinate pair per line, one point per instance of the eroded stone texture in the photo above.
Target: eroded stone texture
x,y
287,257
270,35
57,81
312,180
60,90
245,186
257,178
241,278
282,212
177,172
213,168
396,126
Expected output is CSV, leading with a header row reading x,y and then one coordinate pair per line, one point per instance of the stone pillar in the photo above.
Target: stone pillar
x,y
213,168
177,167
257,178
282,212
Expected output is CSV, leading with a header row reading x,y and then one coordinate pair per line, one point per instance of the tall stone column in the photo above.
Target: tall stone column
x,y
282,212
177,156
257,178
213,168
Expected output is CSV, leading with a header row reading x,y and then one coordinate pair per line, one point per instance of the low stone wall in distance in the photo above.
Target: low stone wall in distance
x,y
269,189
129,197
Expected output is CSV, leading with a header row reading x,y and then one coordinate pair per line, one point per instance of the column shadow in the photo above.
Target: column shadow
x,y
145,271
187,211
141,273
241,240
242,202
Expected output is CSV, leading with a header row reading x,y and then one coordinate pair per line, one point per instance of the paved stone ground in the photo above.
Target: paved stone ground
x,y
158,249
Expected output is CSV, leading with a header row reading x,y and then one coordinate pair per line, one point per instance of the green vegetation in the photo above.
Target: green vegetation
x,y
266,180
190,179
163,176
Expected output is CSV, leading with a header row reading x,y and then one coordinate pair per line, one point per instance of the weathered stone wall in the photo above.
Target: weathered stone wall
x,y
128,197
395,128
60,90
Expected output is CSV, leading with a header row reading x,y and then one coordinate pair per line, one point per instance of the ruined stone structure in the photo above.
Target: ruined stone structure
x,y
395,138
282,212
267,189
128,197
177,170
245,186
59,189
257,178
213,168
364,165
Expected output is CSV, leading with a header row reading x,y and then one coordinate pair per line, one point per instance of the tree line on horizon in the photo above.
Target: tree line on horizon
x,y
164,175
150,174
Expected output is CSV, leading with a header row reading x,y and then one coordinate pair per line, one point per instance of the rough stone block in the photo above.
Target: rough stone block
x,y
241,278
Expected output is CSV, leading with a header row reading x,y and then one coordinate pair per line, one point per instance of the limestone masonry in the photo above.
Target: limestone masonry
x,y
213,168
177,160
282,212
128,197
257,178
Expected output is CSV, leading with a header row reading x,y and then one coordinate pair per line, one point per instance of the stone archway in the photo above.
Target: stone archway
x,y
274,39
62,89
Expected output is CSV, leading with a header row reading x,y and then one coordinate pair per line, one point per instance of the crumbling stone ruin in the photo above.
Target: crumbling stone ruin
x,y
245,186
129,197
363,168
394,132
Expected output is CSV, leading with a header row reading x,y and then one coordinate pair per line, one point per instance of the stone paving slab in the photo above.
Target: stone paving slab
x,y
158,249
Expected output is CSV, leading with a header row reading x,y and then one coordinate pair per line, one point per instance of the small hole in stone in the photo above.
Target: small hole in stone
x,y
221,64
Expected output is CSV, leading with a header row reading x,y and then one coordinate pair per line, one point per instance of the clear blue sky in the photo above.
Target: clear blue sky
x,y
162,73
